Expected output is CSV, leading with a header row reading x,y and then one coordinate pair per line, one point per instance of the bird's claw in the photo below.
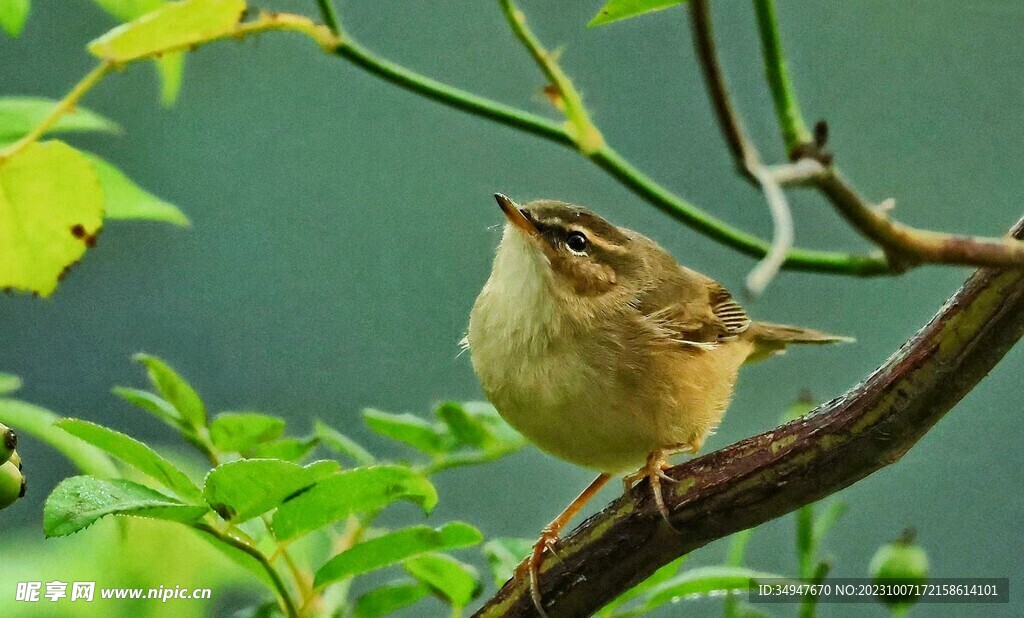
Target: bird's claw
x,y
654,472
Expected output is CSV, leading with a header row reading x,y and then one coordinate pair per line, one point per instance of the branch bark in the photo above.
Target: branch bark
x,y
774,473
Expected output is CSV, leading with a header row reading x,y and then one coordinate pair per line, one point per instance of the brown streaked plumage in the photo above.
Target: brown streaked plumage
x,y
595,344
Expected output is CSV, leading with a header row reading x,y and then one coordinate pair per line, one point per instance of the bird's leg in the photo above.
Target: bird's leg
x,y
549,536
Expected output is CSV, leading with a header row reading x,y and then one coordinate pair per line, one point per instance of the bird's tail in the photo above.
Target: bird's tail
x,y
770,339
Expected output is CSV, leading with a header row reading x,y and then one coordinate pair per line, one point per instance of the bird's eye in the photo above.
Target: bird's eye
x,y
576,241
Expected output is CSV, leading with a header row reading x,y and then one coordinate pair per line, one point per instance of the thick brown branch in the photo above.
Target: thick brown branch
x,y
776,472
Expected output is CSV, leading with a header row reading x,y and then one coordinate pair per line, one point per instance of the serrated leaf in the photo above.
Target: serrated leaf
x,y
241,490
135,454
342,444
451,580
704,581
123,199
78,502
389,598
237,431
9,383
154,404
13,14
169,28
51,208
410,429
19,115
360,490
656,579
504,555
39,422
615,10
395,547
288,449
174,389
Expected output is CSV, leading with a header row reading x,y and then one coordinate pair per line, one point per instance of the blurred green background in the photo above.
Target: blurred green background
x,y
342,228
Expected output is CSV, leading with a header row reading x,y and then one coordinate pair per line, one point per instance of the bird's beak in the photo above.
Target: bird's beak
x,y
515,215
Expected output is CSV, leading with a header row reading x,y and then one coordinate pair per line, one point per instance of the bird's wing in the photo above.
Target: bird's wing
x,y
690,309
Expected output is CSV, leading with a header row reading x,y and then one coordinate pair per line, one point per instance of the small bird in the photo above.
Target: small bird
x,y
595,344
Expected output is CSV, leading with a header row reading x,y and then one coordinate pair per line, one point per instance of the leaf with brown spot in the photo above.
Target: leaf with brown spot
x,y
51,204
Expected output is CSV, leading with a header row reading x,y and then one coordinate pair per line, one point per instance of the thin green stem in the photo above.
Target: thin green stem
x,y
607,159
64,106
586,136
330,16
451,96
283,595
794,131
681,210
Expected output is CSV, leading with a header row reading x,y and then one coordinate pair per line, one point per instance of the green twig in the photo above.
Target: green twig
x,y
794,131
607,159
283,595
585,135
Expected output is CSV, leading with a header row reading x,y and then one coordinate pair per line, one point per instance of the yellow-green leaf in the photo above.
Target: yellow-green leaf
x,y
171,27
19,115
614,10
51,208
123,199
169,69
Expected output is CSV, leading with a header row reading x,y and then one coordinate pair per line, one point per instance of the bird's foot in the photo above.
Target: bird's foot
x,y
654,472
530,568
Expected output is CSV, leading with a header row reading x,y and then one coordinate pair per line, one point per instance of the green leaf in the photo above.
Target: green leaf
x,y
508,438
174,389
831,515
395,547
360,490
466,429
504,555
342,444
410,429
241,490
614,10
51,208
38,422
13,14
135,454
123,199
738,547
704,581
78,502
19,115
237,431
154,404
9,383
656,579
288,449
801,406
172,27
451,580
389,598
169,68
